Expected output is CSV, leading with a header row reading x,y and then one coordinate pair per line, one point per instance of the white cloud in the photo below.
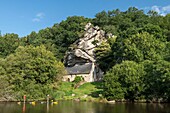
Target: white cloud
x,y
166,9
161,10
36,20
156,8
38,17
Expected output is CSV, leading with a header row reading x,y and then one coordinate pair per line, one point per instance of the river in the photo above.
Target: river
x,y
84,107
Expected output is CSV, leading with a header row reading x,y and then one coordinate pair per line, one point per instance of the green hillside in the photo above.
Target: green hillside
x,y
136,62
86,92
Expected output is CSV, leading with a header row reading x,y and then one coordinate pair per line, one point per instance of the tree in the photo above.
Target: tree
x,y
138,48
6,92
154,30
112,87
33,70
167,54
152,13
60,36
124,80
101,18
157,80
165,25
68,31
8,44
103,54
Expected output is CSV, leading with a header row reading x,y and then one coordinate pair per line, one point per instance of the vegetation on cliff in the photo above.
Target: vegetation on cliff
x,y
136,62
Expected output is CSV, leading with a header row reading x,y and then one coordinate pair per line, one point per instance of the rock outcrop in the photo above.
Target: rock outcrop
x,y
81,53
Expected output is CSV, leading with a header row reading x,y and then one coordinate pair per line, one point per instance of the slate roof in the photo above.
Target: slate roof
x,y
79,69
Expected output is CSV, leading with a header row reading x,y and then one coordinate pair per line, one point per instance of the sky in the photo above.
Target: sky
x,y
24,16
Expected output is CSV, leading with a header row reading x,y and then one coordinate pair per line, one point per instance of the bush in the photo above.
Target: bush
x,y
124,80
35,71
78,79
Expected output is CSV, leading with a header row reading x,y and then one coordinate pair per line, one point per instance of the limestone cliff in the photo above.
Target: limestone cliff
x,y
82,51
80,58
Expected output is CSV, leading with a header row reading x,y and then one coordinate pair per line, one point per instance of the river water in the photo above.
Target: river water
x,y
84,107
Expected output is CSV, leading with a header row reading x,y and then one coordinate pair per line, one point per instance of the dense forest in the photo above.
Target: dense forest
x,y
136,63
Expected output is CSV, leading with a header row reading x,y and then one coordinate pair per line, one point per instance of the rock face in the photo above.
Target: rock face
x,y
82,53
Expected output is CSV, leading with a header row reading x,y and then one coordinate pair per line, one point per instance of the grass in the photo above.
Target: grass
x,y
87,92
88,89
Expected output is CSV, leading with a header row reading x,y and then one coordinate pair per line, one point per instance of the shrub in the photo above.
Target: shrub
x,y
78,79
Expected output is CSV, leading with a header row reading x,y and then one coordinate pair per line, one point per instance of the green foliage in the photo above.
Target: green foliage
x,y
143,39
138,48
124,80
60,36
112,88
140,37
91,90
8,44
101,18
6,92
32,71
103,55
148,80
154,30
95,42
167,54
157,80
78,79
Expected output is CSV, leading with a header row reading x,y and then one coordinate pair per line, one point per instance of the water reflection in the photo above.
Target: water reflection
x,y
84,107
47,107
23,108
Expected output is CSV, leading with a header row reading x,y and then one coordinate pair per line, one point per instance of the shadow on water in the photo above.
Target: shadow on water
x,y
84,107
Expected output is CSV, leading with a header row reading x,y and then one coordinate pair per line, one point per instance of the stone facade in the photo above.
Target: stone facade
x,y
88,71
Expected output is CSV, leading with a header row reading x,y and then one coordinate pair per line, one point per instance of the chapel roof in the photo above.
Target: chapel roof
x,y
79,69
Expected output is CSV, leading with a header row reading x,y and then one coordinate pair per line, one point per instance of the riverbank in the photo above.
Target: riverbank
x,y
67,91
91,92
86,92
